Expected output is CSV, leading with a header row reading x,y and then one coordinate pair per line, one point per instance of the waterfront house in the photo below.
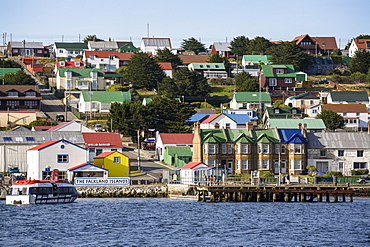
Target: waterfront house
x,y
164,140
190,173
117,164
177,155
68,49
338,151
14,145
152,45
347,97
87,170
20,97
250,100
58,155
100,101
302,100
355,116
100,142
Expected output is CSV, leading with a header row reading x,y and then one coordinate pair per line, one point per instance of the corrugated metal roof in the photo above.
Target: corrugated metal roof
x,y
349,96
293,123
103,44
28,45
160,42
39,137
107,96
252,97
338,140
222,46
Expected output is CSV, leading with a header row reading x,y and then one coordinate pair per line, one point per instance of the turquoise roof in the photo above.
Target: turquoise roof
x,y
317,124
257,58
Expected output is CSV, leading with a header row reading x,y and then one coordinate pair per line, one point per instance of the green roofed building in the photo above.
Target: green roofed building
x,y
253,60
177,156
63,50
100,101
312,125
209,70
80,79
4,71
279,77
250,100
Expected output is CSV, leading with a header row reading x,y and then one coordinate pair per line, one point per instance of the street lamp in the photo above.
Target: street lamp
x,y
138,149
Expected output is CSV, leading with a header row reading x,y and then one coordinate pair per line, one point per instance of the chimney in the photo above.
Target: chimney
x,y
197,143
304,130
249,126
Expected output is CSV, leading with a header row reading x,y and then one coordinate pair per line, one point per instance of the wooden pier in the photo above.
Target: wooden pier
x,y
275,194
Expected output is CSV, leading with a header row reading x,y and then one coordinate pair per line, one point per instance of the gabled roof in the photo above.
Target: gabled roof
x,y
19,88
70,46
103,45
268,70
283,111
265,136
349,95
252,97
317,124
106,154
291,136
86,164
165,65
188,59
51,143
79,72
57,127
29,45
32,138
222,135
222,46
159,42
257,58
192,165
347,108
326,43
101,54
102,140
107,96
176,138
361,43
304,96
337,140
208,118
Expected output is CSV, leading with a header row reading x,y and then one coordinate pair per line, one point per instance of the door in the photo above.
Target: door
x,y
322,166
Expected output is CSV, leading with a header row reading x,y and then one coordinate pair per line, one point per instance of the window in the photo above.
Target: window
x,y
12,94
98,151
201,66
296,148
69,84
311,102
15,50
277,110
30,139
272,82
340,153
265,165
277,148
19,139
224,148
294,111
62,175
283,149
322,153
357,114
245,165
359,165
62,158
211,162
7,139
288,80
297,164
227,126
111,57
116,159
344,113
279,71
70,52
229,149
208,66
213,148
92,57
360,153
94,84
245,148
30,104
216,66
30,94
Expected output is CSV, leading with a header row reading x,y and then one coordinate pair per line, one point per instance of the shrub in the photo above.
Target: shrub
x,y
360,172
266,174
311,168
334,173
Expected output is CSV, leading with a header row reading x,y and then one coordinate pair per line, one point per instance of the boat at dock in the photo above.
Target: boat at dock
x,y
41,192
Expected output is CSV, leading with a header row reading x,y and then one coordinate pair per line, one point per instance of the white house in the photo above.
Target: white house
x,y
152,45
338,151
313,110
171,140
108,61
54,156
189,173
167,68
358,44
100,101
302,100
81,79
250,100
64,50
347,97
224,121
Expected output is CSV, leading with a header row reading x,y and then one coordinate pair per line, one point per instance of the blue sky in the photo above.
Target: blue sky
x,y
208,21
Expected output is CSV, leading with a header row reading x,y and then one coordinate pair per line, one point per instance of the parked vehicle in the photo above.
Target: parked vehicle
x,y
364,180
98,128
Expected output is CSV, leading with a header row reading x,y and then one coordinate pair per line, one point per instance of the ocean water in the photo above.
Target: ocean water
x,y
165,222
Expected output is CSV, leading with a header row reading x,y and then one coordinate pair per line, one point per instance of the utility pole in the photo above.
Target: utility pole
x,y
138,149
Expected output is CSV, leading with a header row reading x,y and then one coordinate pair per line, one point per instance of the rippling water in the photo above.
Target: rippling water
x,y
164,222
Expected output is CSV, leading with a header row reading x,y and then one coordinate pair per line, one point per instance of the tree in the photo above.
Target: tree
x,y
332,120
168,88
143,71
216,58
191,83
194,45
91,38
357,76
8,63
290,53
169,115
239,45
258,45
166,55
361,62
115,87
244,82
19,78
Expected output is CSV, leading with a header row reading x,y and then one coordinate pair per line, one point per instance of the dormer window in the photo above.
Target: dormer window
x,y
294,111
201,66
216,66
277,110
62,63
279,71
208,66
30,94
77,64
13,94
111,57
92,57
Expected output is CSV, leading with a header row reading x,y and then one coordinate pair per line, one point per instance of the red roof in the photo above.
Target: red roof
x,y
177,138
192,165
70,64
101,53
106,154
58,126
208,118
41,128
45,144
348,108
85,164
102,139
125,56
165,65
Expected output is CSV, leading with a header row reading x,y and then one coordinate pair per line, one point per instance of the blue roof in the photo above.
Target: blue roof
x,y
239,118
291,136
253,117
197,117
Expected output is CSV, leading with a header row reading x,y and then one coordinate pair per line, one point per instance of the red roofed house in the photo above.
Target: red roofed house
x,y
355,115
88,170
171,140
108,61
118,164
100,142
193,172
167,68
358,44
52,159
75,64
316,45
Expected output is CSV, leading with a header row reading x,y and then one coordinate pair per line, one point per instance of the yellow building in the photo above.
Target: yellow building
x,y
116,163
12,118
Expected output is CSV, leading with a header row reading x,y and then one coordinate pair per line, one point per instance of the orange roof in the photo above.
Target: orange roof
x,y
348,108
176,138
361,43
102,139
208,118
165,65
325,43
192,165
101,53
125,56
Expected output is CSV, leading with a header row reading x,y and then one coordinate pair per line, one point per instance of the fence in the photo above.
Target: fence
x,y
94,115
